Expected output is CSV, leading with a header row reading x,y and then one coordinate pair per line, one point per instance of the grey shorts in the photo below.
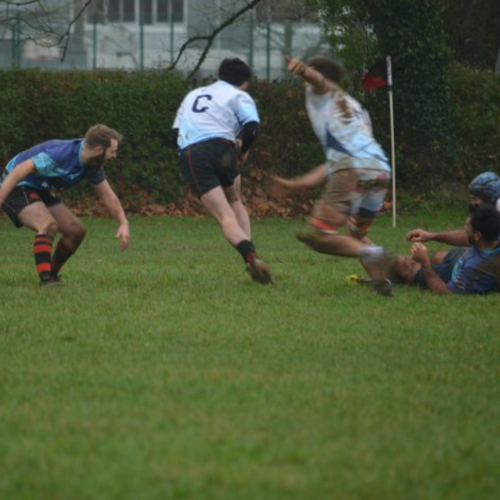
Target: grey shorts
x,y
357,191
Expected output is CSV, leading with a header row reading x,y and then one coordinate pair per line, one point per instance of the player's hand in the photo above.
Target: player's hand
x,y
242,158
123,234
419,253
285,185
296,66
419,235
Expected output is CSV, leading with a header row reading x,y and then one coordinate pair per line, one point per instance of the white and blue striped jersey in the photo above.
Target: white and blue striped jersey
x,y
217,111
344,130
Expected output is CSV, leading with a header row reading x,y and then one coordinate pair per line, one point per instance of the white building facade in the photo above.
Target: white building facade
x,y
149,34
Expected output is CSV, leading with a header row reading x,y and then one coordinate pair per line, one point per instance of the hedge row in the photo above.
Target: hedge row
x,y
37,105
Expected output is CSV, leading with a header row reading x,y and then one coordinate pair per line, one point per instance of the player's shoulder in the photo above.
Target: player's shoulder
x,y
60,149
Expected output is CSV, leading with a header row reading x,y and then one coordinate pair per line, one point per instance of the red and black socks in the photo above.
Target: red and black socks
x,y
42,249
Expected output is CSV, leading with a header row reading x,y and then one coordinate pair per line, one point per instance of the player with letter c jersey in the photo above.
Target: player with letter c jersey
x,y
214,128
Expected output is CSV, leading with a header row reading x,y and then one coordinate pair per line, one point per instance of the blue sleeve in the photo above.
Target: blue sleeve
x,y
45,165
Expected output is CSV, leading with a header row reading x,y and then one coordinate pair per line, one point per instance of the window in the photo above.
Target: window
x,y
146,11
128,11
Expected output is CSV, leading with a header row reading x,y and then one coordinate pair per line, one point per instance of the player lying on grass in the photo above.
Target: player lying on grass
x,y
26,197
475,269
484,188
356,170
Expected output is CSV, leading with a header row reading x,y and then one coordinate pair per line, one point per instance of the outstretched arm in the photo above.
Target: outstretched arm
x,y
456,238
310,180
112,203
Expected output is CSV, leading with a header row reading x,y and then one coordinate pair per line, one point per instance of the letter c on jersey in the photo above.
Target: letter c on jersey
x,y
197,106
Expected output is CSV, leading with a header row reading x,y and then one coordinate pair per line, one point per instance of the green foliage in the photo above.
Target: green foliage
x,y
287,144
163,372
414,35
476,118
42,105
348,26
45,105
474,29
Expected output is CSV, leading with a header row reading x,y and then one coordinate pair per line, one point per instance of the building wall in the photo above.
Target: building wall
x,y
97,43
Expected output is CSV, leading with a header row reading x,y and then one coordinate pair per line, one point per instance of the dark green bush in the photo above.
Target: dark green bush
x,y
287,144
476,112
37,105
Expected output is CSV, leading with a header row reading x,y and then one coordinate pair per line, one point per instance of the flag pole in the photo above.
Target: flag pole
x,y
393,147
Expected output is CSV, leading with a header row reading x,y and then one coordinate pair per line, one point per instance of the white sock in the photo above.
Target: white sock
x,y
371,253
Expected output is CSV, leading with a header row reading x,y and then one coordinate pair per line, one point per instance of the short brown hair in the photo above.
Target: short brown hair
x,y
101,135
328,67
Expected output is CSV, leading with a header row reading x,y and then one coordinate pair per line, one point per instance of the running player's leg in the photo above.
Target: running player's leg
x,y
216,203
72,234
378,261
211,171
233,195
331,213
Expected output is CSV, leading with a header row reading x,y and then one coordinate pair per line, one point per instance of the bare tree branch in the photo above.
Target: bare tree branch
x,y
39,20
66,35
210,38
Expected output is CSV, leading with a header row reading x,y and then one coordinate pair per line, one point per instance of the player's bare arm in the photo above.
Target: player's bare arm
x,y
419,235
320,85
13,178
434,283
310,180
112,203
456,238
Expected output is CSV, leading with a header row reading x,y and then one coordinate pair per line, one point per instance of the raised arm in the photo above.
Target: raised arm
x,y
320,85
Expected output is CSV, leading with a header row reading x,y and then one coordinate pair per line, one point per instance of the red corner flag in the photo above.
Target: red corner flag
x,y
375,77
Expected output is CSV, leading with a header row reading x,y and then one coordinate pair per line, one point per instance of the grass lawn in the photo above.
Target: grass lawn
x,y
164,372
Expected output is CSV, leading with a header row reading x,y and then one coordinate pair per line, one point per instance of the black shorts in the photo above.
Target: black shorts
x,y
443,270
208,164
23,196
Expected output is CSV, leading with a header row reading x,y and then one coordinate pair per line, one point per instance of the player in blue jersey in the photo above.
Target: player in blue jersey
x,y
484,188
26,194
473,270
356,170
214,128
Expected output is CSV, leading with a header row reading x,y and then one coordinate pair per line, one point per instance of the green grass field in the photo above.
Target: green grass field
x,y
164,372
